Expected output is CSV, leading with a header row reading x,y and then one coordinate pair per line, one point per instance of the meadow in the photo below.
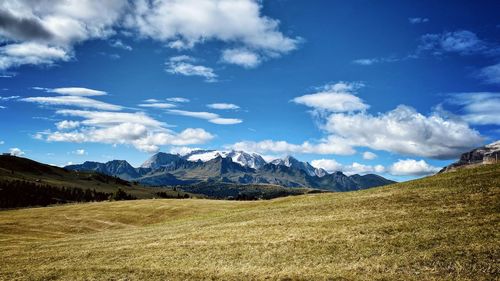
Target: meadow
x,y
444,227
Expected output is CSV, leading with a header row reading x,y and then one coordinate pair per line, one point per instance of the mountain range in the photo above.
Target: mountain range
x,y
235,167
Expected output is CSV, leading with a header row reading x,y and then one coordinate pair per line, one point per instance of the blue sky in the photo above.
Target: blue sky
x,y
398,88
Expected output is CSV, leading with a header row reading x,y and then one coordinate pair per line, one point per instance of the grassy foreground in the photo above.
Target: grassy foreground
x,y
444,227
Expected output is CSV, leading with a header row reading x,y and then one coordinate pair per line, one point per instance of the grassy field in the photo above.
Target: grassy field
x,y
444,227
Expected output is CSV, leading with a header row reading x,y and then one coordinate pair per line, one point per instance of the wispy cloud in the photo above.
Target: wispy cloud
x,y
183,65
211,117
481,108
160,105
74,101
73,91
417,20
177,99
119,44
490,74
223,106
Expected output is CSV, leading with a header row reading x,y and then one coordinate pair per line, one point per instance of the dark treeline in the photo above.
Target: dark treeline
x,y
16,194
166,195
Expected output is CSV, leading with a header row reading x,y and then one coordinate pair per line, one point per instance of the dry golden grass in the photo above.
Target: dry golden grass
x,y
440,228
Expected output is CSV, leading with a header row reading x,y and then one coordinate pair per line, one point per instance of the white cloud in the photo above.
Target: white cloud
x,y
55,27
119,44
330,145
9,98
417,20
17,54
106,118
405,131
2,142
371,61
136,129
402,130
184,23
76,91
225,121
367,155
479,108
241,57
182,150
490,74
79,152
183,66
337,97
16,151
76,101
330,165
211,117
411,167
73,91
161,105
67,125
223,106
177,99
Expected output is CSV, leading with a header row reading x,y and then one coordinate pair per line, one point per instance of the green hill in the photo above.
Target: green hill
x,y
443,227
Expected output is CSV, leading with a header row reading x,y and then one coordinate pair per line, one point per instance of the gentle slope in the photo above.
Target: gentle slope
x,y
441,227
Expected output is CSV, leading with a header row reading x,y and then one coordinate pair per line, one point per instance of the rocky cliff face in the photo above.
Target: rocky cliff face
x,y
487,154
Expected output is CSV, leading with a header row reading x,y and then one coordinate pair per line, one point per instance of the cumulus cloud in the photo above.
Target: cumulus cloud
x,y
73,91
184,66
481,108
222,106
184,23
136,129
412,167
367,155
55,27
67,125
241,57
211,117
16,151
75,101
330,165
339,97
402,130
405,131
330,145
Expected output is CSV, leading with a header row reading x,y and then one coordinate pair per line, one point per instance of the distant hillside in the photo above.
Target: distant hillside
x,y
443,227
234,167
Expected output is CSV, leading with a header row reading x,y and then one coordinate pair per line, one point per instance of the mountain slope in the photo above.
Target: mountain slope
x,y
487,154
22,169
443,227
236,167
